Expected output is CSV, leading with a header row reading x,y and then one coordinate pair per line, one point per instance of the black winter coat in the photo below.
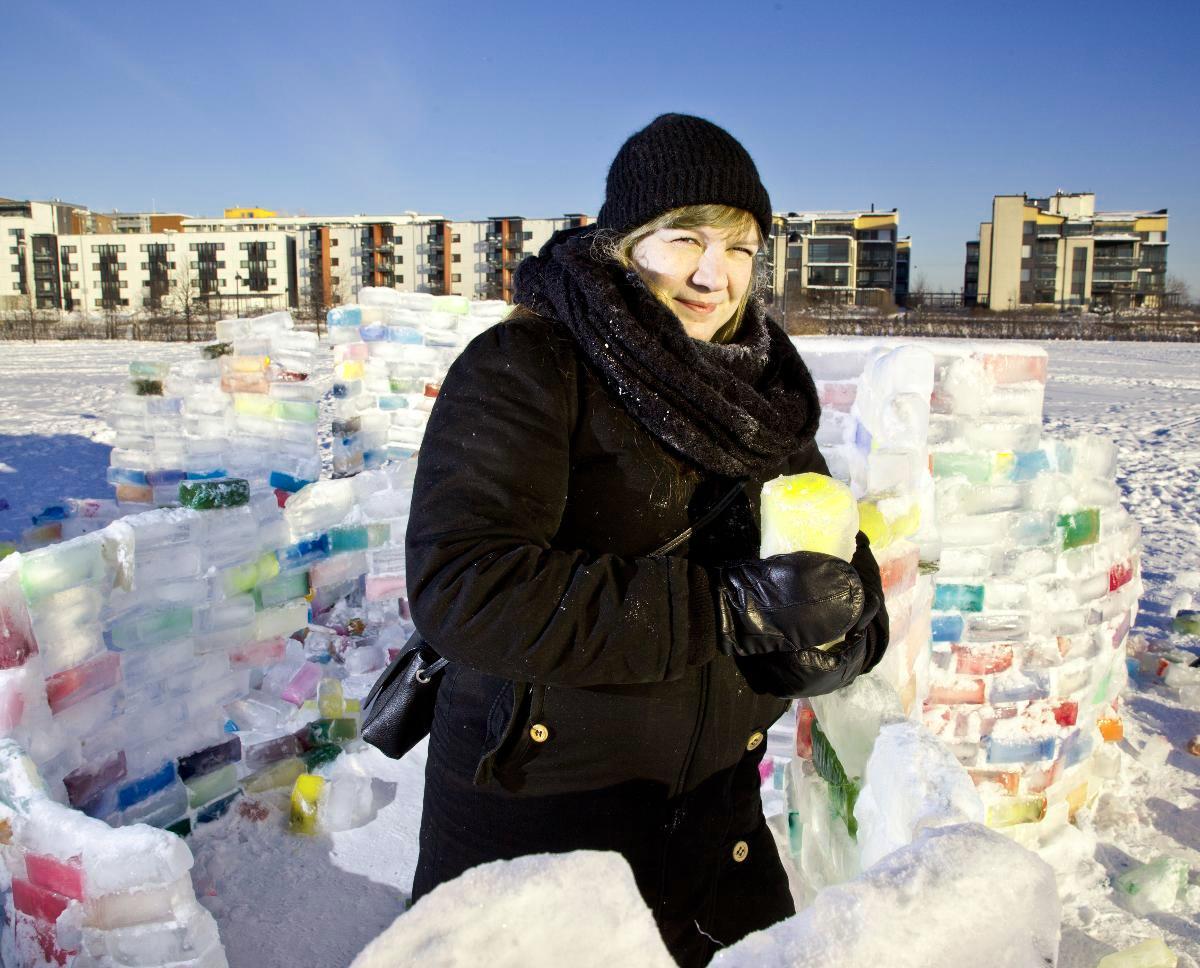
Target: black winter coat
x,y
587,705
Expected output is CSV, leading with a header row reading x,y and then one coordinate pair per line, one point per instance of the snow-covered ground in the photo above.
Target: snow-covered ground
x,y
282,900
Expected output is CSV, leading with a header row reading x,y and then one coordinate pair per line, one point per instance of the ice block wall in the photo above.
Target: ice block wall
x,y
154,669
1010,567
391,351
247,406
873,435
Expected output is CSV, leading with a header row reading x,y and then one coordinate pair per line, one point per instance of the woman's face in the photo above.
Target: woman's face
x,y
703,272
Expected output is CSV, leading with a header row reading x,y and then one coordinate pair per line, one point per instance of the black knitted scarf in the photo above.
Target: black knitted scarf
x,y
734,409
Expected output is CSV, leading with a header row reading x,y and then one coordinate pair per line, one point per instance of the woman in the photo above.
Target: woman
x,y
600,696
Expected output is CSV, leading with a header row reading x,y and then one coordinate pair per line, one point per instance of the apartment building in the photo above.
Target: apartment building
x,y
1059,251
850,258
30,265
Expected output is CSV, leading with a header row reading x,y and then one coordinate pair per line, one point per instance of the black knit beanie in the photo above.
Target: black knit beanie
x,y
676,160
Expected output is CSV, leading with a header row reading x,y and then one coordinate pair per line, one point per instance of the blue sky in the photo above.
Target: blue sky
x,y
474,109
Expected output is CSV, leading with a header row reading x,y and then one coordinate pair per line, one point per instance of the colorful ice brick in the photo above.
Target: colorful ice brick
x,y
306,794
344,316
947,628
1029,464
229,492
146,786
17,643
211,786
217,808
73,685
1014,810
285,620
270,751
38,902
304,552
1019,749
949,596
210,758
149,629
1120,574
330,701
258,654
85,783
1079,528
275,775
1112,730
956,691
984,659
63,877
318,756
286,482
1186,621
808,512
243,578
48,571
302,685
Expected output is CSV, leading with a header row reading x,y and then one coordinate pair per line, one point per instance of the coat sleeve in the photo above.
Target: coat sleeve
x,y
485,584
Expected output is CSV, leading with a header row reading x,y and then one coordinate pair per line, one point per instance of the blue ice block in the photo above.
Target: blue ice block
x,y
405,334
1034,685
344,316
947,628
147,786
126,475
285,482
1077,747
212,475
303,552
52,512
373,333
155,478
342,389
958,597
1029,464
217,808
1019,749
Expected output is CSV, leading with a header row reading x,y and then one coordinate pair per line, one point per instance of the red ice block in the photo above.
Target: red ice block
x,y
952,693
56,876
981,660
84,783
1008,780
1066,713
37,902
804,721
1005,368
29,929
899,574
16,637
262,653
1120,574
281,496
83,681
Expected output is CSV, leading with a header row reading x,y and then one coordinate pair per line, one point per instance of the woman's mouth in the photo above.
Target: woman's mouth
x,y
697,307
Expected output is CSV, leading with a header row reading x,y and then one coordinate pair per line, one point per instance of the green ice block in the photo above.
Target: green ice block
x,y
320,755
282,588
215,350
297,411
1080,527
276,775
150,629
210,786
1187,622
976,468
147,388
459,305
149,370
243,578
227,492
59,567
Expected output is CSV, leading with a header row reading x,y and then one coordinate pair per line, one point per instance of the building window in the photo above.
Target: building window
x,y
455,277
1026,251
333,241
1025,273
829,250
455,257
455,237
400,279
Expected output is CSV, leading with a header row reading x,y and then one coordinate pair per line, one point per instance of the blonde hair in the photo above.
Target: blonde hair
x,y
731,222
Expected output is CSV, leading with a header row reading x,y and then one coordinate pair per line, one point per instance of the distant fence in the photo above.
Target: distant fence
x,y
985,325
51,325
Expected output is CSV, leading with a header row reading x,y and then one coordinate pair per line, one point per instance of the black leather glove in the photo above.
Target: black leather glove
x,y
787,603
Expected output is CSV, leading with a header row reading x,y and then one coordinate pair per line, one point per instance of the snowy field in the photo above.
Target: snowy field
x,y
282,900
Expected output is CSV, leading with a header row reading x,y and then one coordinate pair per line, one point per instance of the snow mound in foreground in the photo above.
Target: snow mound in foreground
x,y
543,911
958,895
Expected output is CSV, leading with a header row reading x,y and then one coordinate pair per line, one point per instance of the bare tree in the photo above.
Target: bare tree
x,y
184,292
1177,291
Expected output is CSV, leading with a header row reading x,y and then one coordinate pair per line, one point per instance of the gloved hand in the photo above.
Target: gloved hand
x,y
787,603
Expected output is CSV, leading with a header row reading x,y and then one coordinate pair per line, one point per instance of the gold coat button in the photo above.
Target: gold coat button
x,y
539,733
741,850
755,740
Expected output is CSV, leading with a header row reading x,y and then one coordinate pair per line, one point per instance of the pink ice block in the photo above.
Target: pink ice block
x,y
899,573
60,877
963,691
12,703
1004,368
384,586
765,768
83,681
838,396
303,685
982,660
261,654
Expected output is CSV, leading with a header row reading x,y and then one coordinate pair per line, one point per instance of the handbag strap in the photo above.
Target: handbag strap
x,y
709,516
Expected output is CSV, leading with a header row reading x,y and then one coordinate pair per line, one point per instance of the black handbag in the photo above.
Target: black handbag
x,y
398,711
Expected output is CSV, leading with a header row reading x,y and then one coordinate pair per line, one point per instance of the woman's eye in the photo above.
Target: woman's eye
x,y
687,238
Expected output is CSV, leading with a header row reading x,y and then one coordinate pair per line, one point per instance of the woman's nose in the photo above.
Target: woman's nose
x,y
711,272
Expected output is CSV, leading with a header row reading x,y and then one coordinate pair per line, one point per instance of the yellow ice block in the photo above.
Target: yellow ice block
x,y
330,701
808,512
874,525
305,795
